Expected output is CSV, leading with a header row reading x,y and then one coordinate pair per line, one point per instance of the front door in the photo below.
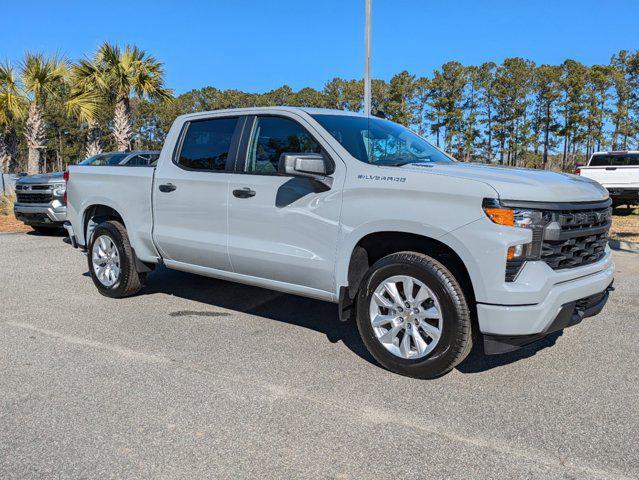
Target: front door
x,y
190,194
281,228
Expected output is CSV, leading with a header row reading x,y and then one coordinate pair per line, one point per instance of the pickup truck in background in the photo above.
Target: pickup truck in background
x,y
618,172
424,252
40,199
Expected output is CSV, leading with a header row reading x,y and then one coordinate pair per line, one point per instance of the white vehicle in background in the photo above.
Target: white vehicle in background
x,y
618,172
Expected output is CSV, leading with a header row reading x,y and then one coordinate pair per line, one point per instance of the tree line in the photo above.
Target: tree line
x,y
54,112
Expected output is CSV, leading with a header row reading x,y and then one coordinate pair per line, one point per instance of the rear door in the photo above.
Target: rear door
x,y
190,194
282,228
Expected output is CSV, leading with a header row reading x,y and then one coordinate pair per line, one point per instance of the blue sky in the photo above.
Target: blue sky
x,y
260,45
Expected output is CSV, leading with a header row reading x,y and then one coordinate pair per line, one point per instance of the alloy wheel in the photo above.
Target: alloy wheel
x,y
406,317
106,261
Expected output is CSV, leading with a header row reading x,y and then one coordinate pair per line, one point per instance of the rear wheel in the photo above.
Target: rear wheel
x,y
413,316
112,262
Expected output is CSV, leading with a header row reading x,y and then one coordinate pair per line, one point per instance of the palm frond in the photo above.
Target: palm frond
x,y
83,105
13,105
42,76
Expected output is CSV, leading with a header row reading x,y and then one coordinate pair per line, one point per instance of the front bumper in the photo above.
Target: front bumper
x,y
569,314
41,215
533,318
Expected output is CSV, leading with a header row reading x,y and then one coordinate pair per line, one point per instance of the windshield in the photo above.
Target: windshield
x,y
105,159
380,142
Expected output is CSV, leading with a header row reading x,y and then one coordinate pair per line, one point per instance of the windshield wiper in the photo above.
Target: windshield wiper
x,y
395,164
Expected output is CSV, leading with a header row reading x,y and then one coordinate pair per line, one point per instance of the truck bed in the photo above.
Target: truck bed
x,y
126,190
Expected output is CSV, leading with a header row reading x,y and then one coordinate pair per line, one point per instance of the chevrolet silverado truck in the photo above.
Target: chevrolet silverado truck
x,y
40,201
425,253
618,172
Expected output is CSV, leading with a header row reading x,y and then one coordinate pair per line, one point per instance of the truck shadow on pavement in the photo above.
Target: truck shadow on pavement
x,y
300,311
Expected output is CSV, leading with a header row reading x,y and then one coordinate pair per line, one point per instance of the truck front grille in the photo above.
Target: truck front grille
x,y
22,197
578,238
574,252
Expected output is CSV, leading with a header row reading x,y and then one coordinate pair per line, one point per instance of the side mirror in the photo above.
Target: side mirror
x,y
310,165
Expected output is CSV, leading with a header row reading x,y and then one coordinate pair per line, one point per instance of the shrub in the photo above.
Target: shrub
x,y
6,204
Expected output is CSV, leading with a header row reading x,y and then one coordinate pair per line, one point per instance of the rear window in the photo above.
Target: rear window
x,y
207,144
616,160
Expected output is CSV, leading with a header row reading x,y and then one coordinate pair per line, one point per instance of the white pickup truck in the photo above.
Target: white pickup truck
x,y
618,172
424,252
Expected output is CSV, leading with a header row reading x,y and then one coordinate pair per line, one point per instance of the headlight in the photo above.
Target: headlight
x,y
513,217
535,220
59,189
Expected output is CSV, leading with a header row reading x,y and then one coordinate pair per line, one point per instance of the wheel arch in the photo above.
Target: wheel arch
x,y
94,215
98,213
372,246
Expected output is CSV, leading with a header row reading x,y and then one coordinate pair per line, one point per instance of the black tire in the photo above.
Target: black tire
x,y
130,281
455,342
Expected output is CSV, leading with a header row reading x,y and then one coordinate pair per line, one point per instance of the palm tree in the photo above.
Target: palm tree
x,y
125,74
12,109
42,77
89,96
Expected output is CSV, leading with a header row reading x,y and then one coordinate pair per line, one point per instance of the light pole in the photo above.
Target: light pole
x,y
367,61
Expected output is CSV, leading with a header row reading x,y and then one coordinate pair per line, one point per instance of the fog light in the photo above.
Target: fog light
x,y
515,252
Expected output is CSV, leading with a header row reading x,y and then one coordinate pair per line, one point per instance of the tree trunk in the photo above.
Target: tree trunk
x,y
122,130
94,146
4,156
8,150
490,136
34,133
546,136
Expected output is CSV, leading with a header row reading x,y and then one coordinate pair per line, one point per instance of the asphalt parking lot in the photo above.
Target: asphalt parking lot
x,y
199,378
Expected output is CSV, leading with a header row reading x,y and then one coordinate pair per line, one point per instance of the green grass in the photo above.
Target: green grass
x,y
6,204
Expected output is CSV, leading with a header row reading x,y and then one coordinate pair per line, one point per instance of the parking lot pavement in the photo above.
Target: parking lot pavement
x,y
198,378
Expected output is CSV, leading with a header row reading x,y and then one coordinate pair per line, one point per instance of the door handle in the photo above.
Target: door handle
x,y
167,187
245,192
611,168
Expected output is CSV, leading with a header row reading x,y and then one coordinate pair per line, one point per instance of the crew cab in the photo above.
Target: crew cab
x,y
425,253
618,172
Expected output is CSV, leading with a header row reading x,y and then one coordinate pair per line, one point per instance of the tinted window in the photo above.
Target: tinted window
x,y
614,160
273,136
105,159
207,143
373,140
137,161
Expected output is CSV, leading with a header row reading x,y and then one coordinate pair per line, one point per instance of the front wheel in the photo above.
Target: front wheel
x,y
112,262
413,316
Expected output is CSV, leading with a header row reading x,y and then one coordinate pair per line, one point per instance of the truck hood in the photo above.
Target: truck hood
x,y
522,183
53,177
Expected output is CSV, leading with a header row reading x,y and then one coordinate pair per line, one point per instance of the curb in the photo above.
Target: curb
x,y
624,246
